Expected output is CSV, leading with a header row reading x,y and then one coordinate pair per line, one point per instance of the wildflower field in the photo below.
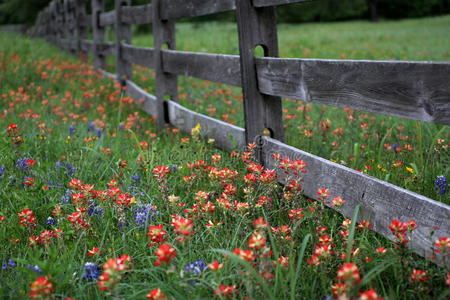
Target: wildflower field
x,y
94,203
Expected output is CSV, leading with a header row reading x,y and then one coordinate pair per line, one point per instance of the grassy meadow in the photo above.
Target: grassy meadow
x,y
95,204
407,153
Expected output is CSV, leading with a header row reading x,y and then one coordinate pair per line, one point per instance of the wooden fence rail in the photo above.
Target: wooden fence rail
x,y
414,90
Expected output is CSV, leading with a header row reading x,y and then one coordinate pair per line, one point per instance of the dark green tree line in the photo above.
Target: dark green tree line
x,y
25,11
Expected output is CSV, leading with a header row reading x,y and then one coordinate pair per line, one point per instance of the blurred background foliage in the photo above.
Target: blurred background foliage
x,y
25,11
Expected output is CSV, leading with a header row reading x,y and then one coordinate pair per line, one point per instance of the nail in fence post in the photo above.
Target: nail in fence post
x,y
166,84
98,32
257,27
123,34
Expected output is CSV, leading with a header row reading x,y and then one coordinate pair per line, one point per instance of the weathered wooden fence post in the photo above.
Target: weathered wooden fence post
x,y
81,27
98,32
257,27
123,34
166,84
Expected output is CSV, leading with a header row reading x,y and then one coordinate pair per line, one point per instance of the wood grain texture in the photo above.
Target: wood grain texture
x,y
147,101
263,3
174,9
123,35
107,18
87,45
227,137
380,202
257,27
86,21
213,67
139,14
166,84
98,32
413,90
138,55
107,49
107,74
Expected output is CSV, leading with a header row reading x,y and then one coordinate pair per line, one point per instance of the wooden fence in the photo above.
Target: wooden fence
x,y
414,90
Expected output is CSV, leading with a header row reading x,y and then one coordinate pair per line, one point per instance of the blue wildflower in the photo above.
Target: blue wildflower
x,y
2,170
98,131
71,130
23,164
173,169
95,210
120,127
11,263
51,221
35,269
135,177
4,266
135,191
70,169
91,271
441,184
196,267
65,199
91,126
395,146
143,213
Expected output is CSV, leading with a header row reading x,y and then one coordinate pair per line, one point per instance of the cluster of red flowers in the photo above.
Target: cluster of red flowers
x,y
113,271
13,132
401,229
27,218
41,288
45,237
165,254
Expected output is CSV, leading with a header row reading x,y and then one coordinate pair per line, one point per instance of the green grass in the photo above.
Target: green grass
x,y
423,148
45,91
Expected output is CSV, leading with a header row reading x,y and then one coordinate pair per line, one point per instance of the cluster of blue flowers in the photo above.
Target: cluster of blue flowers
x,y
91,271
196,267
9,264
51,221
92,127
143,214
65,199
22,164
441,184
2,170
94,209
70,170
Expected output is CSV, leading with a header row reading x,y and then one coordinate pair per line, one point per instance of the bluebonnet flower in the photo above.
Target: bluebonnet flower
x,y
11,263
98,131
197,267
91,126
2,170
70,169
143,213
441,184
35,269
91,271
71,130
95,210
395,146
135,191
51,221
23,163
65,199
135,177
120,127
173,169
